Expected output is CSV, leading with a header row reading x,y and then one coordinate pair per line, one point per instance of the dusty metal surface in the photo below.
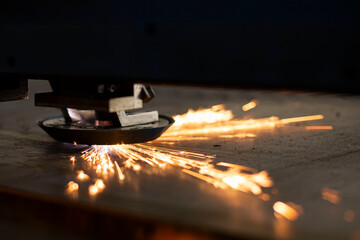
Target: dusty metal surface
x,y
301,163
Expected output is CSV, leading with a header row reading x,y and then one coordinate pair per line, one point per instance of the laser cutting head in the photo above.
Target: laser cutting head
x,y
101,114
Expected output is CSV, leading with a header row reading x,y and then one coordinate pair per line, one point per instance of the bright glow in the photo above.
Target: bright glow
x,y
196,164
100,184
209,115
330,195
71,187
119,172
289,211
82,176
93,190
250,105
301,119
319,127
224,125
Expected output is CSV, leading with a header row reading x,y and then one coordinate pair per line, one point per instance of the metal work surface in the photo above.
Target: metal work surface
x,y
35,169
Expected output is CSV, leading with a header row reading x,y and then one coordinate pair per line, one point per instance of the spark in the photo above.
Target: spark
x,y
290,211
301,119
93,190
195,164
239,135
72,159
75,143
227,126
97,187
250,105
203,124
100,184
319,127
208,115
71,187
119,172
330,195
82,176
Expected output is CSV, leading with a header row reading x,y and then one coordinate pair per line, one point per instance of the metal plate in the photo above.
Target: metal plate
x,y
62,131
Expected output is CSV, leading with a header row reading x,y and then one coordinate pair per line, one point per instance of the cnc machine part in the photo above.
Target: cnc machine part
x,y
101,113
81,133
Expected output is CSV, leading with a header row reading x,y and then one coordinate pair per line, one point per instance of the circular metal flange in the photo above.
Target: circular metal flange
x,y
71,132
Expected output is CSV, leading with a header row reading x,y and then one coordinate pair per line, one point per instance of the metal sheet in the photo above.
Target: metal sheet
x,y
300,162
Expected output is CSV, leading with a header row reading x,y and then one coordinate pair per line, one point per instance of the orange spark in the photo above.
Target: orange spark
x,y
82,176
93,190
196,164
319,127
119,172
75,143
209,115
71,187
301,119
136,167
250,105
100,184
233,126
239,135
72,159
194,125
290,211
330,195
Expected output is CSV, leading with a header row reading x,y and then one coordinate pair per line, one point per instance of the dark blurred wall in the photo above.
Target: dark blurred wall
x,y
267,44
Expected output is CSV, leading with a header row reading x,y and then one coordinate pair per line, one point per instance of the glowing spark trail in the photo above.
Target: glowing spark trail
x,y
203,124
209,115
250,105
290,211
319,127
196,164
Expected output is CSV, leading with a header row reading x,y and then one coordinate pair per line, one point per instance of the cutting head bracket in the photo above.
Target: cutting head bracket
x,y
98,113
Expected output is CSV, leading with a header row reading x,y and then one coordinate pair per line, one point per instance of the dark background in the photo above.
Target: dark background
x,y
261,44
